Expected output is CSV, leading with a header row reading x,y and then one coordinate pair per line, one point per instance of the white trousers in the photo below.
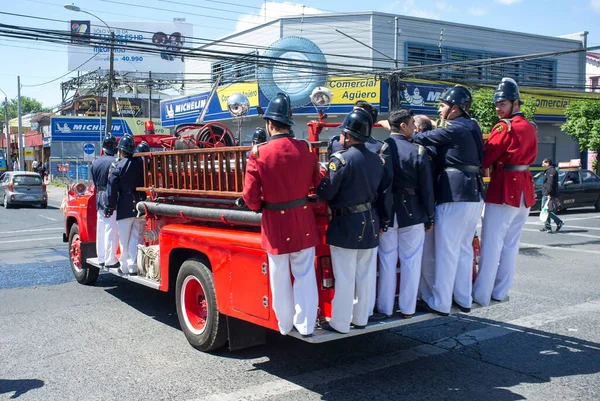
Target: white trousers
x,y
427,266
373,296
406,244
455,225
500,237
353,273
130,231
107,238
294,305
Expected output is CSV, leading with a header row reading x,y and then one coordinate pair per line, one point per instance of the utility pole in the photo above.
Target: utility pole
x,y
111,72
21,150
150,85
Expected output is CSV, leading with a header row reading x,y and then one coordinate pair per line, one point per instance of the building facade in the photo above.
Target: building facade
x,y
353,54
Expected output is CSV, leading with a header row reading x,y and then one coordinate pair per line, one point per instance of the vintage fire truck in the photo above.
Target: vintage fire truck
x,y
203,245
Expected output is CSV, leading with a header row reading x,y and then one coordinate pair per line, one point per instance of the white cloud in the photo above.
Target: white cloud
x,y
408,7
478,11
273,11
508,2
595,5
444,6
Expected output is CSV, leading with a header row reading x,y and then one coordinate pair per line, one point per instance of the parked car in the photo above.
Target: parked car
x,y
576,188
23,188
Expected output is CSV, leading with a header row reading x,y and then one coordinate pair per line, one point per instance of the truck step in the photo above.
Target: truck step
x,y
323,336
136,279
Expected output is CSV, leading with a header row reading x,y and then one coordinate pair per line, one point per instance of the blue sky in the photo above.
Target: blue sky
x,y
38,63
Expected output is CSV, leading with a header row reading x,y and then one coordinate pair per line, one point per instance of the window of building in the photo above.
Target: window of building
x,y
595,84
539,72
238,70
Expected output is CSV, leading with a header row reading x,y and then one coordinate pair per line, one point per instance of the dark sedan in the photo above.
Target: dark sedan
x,y
576,188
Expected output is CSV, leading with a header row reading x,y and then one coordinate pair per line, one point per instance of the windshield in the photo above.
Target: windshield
x,y
538,179
27,180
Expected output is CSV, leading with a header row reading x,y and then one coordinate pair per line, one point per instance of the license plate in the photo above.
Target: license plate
x,y
29,197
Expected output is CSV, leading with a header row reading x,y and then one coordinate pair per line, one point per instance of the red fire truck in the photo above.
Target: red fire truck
x,y
201,244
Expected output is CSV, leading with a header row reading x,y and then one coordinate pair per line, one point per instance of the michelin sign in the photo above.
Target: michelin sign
x,y
91,129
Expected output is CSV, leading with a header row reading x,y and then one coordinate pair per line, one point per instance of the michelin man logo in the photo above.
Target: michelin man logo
x,y
64,129
416,99
170,111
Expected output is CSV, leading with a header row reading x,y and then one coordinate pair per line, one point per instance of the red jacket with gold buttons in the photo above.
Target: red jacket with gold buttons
x,y
283,170
511,142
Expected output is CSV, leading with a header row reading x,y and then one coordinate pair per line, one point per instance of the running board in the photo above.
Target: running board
x,y
136,279
323,336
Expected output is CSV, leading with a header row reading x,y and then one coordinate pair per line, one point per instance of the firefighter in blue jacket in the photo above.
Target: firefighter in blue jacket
x,y
458,144
125,176
412,214
371,143
355,186
107,238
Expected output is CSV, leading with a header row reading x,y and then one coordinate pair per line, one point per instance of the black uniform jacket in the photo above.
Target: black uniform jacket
x,y
100,169
355,180
125,176
550,183
412,184
458,146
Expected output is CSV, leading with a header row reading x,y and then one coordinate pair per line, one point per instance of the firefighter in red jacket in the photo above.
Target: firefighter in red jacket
x,y
510,149
279,174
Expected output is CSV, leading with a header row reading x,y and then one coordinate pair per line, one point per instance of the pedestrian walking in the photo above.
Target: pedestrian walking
x,y
550,195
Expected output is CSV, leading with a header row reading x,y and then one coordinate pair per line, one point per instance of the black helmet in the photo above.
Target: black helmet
x,y
109,144
361,104
358,124
458,95
143,147
507,90
259,136
280,109
127,144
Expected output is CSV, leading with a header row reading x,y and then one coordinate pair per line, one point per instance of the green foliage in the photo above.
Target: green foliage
x,y
583,123
28,105
484,110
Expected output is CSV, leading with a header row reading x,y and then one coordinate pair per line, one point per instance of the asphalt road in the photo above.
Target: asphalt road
x,y
117,340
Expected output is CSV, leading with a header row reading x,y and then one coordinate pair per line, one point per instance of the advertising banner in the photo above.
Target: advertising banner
x,y
250,89
95,40
92,129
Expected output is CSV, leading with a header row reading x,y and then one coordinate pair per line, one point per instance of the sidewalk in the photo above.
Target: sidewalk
x,y
55,194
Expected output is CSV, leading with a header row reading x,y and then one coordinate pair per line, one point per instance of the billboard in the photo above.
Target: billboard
x,y
165,38
90,129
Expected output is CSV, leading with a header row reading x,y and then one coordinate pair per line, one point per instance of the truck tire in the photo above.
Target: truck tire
x,y
78,253
204,327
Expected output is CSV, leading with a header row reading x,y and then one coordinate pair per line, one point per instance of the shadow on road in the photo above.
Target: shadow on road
x,y
398,365
20,386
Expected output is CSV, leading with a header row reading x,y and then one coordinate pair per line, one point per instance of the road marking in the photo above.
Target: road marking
x,y
581,218
558,248
30,240
533,230
322,377
46,217
33,230
568,226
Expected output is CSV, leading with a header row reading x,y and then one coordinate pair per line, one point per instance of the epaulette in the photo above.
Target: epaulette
x,y
506,121
308,143
383,148
338,155
255,149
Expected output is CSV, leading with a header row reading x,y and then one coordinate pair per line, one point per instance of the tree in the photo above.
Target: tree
x,y
583,123
28,105
484,111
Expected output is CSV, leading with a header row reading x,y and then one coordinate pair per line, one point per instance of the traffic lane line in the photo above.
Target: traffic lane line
x,y
536,230
568,226
14,241
325,376
33,230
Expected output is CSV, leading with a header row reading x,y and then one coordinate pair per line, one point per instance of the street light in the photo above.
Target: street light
x,y
111,67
